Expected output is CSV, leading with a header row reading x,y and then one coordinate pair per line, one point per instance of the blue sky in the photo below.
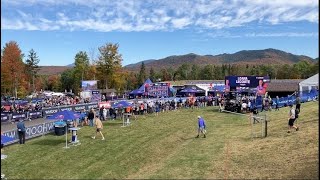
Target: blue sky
x,y
154,29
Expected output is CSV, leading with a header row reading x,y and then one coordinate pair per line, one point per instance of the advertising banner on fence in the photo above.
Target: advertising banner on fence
x,y
31,131
78,108
92,105
69,108
18,116
105,104
4,117
50,111
35,114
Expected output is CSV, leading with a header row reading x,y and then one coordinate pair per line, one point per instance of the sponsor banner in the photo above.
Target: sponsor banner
x,y
69,108
4,117
35,114
18,116
96,96
92,105
5,113
78,108
31,131
105,104
50,111
157,89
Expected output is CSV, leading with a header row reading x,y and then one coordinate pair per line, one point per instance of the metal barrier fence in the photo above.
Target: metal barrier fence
x,y
45,112
31,131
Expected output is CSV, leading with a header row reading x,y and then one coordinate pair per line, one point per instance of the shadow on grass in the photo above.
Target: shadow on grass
x,y
87,137
113,123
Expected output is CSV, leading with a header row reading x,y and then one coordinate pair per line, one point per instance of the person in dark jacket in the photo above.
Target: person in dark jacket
x,y
298,102
201,127
277,103
21,131
91,116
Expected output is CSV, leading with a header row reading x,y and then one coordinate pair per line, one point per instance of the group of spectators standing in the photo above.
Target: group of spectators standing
x,y
35,105
248,103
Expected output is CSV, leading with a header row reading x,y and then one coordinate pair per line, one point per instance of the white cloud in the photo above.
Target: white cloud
x,y
285,34
180,23
149,15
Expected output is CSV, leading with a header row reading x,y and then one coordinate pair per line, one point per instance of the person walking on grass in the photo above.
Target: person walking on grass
x,y
99,127
21,131
291,119
201,127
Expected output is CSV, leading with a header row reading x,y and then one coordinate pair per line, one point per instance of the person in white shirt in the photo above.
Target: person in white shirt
x,y
291,119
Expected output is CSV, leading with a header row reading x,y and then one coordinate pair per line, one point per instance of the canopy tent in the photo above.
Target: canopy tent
x,y
309,84
141,89
65,116
191,90
136,92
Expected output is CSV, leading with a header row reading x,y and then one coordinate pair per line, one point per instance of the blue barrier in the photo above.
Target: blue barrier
x,y
31,131
289,100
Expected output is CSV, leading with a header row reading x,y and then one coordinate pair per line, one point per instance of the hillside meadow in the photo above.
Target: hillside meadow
x,y
165,147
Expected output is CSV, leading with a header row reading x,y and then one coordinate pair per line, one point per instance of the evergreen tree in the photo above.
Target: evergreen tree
x,y
32,66
152,75
142,74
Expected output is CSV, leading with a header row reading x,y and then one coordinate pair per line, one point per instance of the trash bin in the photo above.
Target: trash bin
x,y
60,128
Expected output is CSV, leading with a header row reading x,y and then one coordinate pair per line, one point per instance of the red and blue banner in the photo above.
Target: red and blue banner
x,y
157,89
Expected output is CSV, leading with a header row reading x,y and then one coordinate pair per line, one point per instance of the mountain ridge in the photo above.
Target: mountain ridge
x,y
251,57
265,56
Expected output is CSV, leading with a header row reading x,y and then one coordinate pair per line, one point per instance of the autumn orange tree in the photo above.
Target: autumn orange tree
x,y
13,77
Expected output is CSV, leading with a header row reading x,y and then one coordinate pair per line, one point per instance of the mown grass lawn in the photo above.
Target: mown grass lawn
x,y
165,147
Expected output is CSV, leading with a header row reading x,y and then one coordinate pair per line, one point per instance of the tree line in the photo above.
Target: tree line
x,y
20,77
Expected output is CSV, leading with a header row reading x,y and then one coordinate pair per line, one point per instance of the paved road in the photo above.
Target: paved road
x,y
10,126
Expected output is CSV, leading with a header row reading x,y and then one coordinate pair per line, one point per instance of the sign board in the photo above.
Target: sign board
x,y
157,89
95,96
89,85
254,83
106,104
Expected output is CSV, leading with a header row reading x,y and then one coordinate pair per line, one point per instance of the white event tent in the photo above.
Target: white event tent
x,y
310,83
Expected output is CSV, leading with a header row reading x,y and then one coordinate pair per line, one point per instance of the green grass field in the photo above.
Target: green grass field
x,y
165,147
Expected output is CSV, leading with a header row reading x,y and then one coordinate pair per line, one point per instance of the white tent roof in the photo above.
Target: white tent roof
x,y
311,81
